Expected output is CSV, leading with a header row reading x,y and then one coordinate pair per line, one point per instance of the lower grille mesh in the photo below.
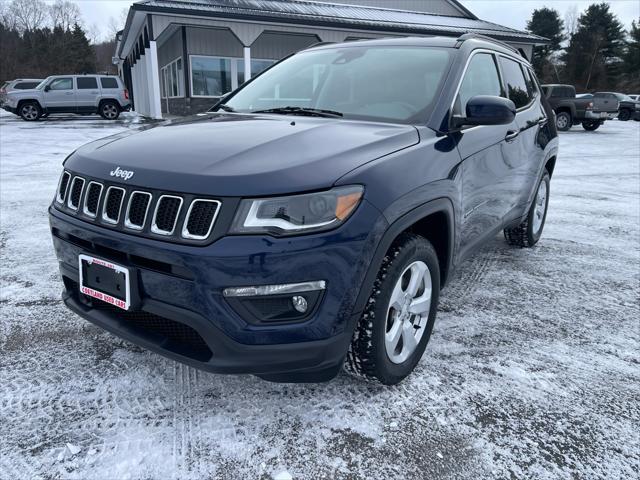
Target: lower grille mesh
x,y
181,338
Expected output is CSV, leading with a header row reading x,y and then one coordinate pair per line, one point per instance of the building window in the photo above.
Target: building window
x,y
172,79
210,76
215,76
257,67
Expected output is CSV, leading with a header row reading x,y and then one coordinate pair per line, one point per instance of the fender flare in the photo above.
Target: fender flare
x,y
440,205
23,100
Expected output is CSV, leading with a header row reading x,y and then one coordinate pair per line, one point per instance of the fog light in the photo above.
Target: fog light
x,y
299,303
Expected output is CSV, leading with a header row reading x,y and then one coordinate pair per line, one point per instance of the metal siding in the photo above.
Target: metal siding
x,y
211,41
272,45
170,50
436,7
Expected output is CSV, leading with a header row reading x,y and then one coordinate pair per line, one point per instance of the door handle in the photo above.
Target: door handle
x,y
69,93
512,135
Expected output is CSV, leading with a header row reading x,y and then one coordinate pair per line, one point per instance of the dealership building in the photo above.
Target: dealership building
x,y
178,57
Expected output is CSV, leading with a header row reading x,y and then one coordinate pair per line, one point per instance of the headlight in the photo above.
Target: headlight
x,y
297,214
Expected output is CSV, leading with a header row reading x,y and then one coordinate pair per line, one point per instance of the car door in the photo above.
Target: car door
x,y
486,153
524,166
60,95
87,92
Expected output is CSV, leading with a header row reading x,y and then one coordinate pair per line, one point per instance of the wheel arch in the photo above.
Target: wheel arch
x,y
550,165
435,221
29,100
109,100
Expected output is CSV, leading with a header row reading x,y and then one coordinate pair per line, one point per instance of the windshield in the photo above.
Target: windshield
x,y
623,97
42,83
396,84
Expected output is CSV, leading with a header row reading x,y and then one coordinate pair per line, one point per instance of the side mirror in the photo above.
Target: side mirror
x,y
47,88
488,110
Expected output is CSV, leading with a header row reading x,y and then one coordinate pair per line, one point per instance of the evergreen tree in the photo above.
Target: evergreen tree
x,y
632,55
594,55
546,22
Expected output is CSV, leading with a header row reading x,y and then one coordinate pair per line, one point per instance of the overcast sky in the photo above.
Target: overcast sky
x,y
512,13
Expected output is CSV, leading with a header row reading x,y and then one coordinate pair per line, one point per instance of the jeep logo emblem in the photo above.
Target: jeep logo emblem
x,y
124,174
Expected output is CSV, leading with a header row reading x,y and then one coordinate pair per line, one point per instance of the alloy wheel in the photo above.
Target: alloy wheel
x,y
408,312
29,112
540,207
110,111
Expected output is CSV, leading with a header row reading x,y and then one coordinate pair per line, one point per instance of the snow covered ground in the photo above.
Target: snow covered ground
x,y
533,370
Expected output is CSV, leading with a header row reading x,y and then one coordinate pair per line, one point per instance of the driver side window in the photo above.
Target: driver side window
x,y
61,84
481,78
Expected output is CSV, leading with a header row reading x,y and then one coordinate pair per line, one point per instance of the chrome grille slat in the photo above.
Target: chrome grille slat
x,y
139,201
92,199
199,222
110,205
63,186
168,206
75,193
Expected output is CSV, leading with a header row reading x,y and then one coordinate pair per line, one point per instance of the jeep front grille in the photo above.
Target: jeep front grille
x,y
137,210
149,213
62,187
200,218
112,205
166,215
76,193
92,199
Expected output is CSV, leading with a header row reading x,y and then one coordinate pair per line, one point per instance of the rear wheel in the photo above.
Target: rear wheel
x,y
529,232
624,115
591,126
109,110
30,111
395,327
563,121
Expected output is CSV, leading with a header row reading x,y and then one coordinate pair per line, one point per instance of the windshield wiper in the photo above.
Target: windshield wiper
x,y
311,112
226,108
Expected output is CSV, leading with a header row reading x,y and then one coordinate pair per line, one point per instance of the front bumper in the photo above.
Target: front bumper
x,y
184,284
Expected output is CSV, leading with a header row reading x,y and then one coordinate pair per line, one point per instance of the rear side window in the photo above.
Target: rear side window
x,y
109,83
517,89
86,83
26,85
529,78
481,78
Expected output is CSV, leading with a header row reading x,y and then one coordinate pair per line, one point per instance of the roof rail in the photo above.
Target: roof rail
x,y
477,36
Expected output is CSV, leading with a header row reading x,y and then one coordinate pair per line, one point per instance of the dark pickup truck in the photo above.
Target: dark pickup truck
x,y
569,110
628,108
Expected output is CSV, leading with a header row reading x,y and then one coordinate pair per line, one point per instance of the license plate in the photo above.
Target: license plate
x,y
105,281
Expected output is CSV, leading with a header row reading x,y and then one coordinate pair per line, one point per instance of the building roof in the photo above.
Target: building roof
x,y
306,12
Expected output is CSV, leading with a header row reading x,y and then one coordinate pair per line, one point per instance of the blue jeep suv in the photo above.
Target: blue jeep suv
x,y
309,221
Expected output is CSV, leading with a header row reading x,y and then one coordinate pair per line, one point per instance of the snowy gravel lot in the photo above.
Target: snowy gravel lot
x,y
533,370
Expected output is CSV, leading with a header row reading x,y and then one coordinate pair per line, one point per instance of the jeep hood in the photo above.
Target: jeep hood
x,y
241,155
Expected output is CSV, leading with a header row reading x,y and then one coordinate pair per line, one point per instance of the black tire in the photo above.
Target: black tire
x,y
563,121
528,233
30,111
367,356
591,126
109,110
624,115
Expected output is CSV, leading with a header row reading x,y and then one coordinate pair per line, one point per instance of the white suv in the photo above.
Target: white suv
x,y
81,94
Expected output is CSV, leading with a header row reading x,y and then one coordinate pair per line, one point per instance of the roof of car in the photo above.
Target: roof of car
x,y
446,42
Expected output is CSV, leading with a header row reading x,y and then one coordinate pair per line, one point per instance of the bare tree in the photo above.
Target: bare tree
x,y
28,15
64,14
6,16
117,23
571,20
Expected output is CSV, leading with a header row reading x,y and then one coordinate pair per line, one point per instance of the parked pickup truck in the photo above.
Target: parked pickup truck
x,y
628,107
590,112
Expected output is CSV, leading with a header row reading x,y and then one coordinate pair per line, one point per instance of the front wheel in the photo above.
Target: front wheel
x,y
624,115
395,327
30,111
529,232
591,126
109,111
563,121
